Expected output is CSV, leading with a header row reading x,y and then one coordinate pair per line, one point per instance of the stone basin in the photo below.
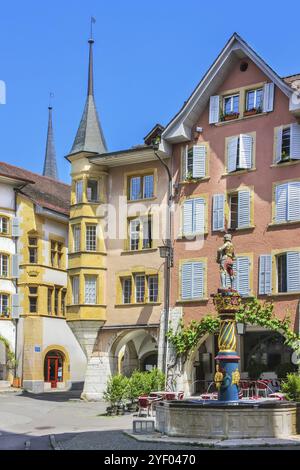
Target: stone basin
x,y
214,419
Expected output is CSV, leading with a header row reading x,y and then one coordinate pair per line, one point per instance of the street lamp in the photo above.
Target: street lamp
x,y
240,328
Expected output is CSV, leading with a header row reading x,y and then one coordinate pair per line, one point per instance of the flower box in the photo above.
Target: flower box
x,y
251,112
230,117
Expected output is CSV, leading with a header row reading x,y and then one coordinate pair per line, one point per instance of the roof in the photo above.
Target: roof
x,y
291,78
47,192
179,128
50,167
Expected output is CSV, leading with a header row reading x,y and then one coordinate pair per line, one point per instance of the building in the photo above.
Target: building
x,y
34,217
235,148
115,273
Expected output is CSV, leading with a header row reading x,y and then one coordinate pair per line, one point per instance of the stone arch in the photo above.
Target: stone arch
x,y
66,359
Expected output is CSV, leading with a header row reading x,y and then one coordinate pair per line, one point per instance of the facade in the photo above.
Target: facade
x,y
34,281
115,281
236,150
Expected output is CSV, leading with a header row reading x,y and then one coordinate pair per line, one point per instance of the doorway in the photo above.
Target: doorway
x,y
53,368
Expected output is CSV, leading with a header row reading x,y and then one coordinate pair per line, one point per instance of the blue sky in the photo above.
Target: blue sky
x,y
149,55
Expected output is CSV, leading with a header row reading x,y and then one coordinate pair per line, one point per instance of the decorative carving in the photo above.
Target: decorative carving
x,y
218,377
225,259
235,378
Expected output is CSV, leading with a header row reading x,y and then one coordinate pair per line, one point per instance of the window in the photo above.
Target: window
x,y
90,290
4,305
75,290
153,288
140,288
92,190
76,238
192,280
50,293
33,299
218,212
3,265
63,302
287,145
56,304
195,160
141,187
53,253
79,191
265,274
241,283
231,104
239,153
56,254
239,207
140,233
59,255
33,250
91,239
288,272
194,216
254,100
126,290
3,225
287,202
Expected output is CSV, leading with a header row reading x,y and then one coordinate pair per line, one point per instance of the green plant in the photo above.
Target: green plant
x,y
291,387
116,390
137,385
189,176
156,379
11,360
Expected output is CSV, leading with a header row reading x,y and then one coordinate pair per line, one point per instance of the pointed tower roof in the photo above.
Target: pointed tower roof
x,y
50,167
89,137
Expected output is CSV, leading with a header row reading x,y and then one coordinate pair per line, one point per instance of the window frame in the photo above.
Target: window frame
x,y
33,296
130,291
140,240
142,288
89,277
231,97
75,298
4,313
90,199
79,191
258,109
142,186
155,287
76,228
91,240
4,273
7,221
33,248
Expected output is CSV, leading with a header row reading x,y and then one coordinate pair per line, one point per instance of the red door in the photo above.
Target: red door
x,y
52,370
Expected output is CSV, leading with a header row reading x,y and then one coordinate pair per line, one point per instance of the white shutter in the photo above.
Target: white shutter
x,y
243,275
186,281
278,144
214,109
188,217
243,208
295,141
281,198
232,145
199,161
293,271
198,280
218,211
15,306
15,227
293,201
246,146
268,101
198,215
265,274
184,158
15,266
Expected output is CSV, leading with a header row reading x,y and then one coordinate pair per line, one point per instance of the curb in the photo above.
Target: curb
x,y
54,444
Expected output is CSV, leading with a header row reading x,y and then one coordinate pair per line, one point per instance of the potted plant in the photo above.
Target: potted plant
x,y
231,116
291,388
189,176
115,393
136,388
250,112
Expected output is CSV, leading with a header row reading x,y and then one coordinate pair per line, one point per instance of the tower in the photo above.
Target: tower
x,y
50,166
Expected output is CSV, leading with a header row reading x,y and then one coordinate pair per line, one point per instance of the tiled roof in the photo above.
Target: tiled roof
x,y
45,191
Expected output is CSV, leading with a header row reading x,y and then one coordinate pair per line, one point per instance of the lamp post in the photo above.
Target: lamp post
x,y
166,252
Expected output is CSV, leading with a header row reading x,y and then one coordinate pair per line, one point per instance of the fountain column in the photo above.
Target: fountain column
x,y
227,375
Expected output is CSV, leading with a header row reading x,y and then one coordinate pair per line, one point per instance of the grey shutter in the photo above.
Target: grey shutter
x,y
199,161
15,227
293,271
278,144
243,275
15,266
218,211
184,152
199,215
214,109
188,217
295,141
268,100
265,274
232,145
246,146
15,306
281,198
293,201
243,208
186,281
198,280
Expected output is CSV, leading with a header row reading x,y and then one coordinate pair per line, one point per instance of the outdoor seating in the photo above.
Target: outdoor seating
x,y
245,388
261,388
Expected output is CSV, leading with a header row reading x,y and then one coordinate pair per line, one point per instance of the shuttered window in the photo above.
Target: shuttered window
x,y
268,98
194,162
194,216
218,211
239,204
192,280
287,143
288,272
3,265
241,281
287,202
265,274
214,109
239,153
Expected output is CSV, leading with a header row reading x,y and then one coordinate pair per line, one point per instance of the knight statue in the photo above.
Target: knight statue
x,y
225,259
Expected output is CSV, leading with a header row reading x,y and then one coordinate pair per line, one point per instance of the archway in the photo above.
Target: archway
x,y
54,368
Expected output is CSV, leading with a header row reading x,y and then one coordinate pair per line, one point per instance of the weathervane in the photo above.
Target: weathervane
x,y
93,21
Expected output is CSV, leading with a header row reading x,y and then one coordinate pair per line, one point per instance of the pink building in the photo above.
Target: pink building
x,y
236,152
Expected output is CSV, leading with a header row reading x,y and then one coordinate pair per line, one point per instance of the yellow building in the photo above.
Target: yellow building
x,y
115,273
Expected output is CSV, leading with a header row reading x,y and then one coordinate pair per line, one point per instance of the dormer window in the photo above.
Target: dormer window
x,y
231,105
254,101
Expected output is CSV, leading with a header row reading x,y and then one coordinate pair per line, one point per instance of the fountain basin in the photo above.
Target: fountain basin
x,y
217,420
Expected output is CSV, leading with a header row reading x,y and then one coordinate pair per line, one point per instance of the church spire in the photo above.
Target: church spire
x,y
50,167
89,137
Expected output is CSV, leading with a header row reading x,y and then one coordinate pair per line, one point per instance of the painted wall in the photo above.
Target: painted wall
x,y
262,238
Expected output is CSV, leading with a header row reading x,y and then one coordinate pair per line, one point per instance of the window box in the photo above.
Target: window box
x,y
230,117
253,111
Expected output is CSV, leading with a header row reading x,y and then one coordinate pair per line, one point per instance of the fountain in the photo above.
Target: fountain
x,y
227,417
